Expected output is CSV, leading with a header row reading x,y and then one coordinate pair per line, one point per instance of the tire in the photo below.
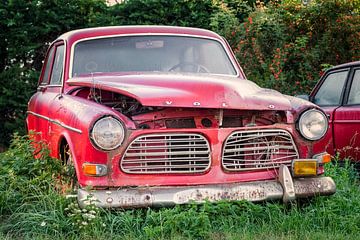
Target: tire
x,y
69,183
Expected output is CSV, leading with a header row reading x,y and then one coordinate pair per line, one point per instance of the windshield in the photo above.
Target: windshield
x,y
151,54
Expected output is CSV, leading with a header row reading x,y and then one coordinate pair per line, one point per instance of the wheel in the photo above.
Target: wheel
x,y
69,183
197,68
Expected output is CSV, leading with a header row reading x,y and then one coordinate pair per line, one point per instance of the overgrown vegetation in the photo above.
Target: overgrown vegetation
x,y
32,207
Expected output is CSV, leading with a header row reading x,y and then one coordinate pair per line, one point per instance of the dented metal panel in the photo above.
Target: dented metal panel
x,y
186,90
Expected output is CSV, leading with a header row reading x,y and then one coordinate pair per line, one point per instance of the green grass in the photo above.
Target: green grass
x,y
31,208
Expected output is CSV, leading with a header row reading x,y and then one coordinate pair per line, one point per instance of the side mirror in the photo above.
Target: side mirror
x,y
303,96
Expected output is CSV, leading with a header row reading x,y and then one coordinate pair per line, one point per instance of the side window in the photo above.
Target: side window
x,y
331,89
354,95
48,63
57,68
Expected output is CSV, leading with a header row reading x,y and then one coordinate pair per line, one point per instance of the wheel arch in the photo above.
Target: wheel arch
x,y
63,140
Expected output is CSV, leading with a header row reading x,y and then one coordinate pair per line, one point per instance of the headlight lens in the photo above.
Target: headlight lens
x,y
313,124
108,133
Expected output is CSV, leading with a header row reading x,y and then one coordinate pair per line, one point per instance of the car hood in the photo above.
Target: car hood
x,y
181,90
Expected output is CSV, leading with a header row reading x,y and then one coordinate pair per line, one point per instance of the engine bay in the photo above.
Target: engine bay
x,y
149,117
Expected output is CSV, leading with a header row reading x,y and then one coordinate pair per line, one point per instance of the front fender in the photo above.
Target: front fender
x,y
72,118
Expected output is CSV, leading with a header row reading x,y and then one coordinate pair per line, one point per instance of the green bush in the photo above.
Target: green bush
x,y
285,45
22,176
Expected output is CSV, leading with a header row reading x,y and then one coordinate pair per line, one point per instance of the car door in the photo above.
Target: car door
x,y
54,95
347,119
37,120
329,94
40,118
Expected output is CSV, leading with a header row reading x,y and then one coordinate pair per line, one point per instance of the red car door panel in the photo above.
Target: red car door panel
x,y
347,131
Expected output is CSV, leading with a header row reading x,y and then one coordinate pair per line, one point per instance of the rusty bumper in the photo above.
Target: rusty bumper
x,y
168,196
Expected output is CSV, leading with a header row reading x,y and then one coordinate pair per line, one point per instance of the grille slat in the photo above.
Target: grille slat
x,y
239,139
278,142
258,149
156,167
262,163
265,160
165,140
167,153
161,147
162,160
169,158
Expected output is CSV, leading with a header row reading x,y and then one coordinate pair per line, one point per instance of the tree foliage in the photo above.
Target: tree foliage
x,y
27,29
286,45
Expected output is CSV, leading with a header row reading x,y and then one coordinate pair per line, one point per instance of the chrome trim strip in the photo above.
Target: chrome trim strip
x,y
229,54
346,121
55,122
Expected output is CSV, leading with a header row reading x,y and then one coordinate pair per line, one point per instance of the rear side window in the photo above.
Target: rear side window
x,y
354,95
331,89
49,60
57,68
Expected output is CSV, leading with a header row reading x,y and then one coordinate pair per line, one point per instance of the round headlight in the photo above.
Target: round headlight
x,y
108,133
313,124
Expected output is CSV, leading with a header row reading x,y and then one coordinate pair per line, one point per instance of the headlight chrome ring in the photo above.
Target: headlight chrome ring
x,y
313,124
107,133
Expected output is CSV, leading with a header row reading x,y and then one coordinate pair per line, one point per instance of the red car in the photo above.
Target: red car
x,y
338,94
157,116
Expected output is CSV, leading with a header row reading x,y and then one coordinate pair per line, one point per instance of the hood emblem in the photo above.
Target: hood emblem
x,y
271,106
196,103
168,102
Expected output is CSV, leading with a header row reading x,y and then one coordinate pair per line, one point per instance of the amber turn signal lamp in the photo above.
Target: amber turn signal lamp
x,y
304,167
326,158
322,158
94,169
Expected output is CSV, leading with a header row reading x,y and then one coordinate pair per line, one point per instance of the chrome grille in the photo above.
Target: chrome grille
x,y
258,149
167,153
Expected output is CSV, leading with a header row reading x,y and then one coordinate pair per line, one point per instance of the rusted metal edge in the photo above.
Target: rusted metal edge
x,y
169,196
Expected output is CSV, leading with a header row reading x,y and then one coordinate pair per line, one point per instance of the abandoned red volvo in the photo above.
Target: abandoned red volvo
x,y
157,116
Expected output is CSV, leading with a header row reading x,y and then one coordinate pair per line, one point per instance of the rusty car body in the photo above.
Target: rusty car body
x,y
157,116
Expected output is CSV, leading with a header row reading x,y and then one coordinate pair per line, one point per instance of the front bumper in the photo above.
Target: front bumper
x,y
285,188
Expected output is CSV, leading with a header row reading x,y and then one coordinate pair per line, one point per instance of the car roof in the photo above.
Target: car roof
x,y
75,35
346,65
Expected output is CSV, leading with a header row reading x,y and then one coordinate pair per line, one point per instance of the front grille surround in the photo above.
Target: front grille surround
x,y
168,153
260,149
